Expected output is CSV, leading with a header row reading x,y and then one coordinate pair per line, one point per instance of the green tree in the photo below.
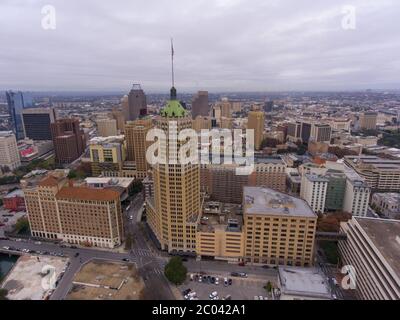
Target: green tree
x,y
175,271
268,287
22,225
3,294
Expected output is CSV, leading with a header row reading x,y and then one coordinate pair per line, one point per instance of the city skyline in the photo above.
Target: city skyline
x,y
300,46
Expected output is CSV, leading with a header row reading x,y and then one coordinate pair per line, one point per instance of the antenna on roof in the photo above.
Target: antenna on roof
x,y
172,62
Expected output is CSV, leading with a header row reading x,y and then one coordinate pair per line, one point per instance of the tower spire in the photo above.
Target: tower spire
x,y
173,90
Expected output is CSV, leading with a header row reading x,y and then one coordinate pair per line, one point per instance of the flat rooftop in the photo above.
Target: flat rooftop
x,y
110,181
306,282
267,201
226,217
385,235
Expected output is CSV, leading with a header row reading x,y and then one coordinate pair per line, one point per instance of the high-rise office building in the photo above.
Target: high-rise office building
x,y
336,190
268,106
107,155
118,115
321,133
9,155
17,101
136,105
256,121
368,120
37,123
79,215
200,105
313,191
107,127
68,139
173,214
294,131
306,131
136,144
201,123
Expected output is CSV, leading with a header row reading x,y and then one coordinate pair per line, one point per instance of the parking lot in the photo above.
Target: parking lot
x,y
249,288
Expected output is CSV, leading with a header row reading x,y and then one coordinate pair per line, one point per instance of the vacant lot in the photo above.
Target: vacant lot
x,y
32,277
101,280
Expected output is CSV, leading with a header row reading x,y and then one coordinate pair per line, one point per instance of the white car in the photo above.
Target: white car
x,y
6,248
213,295
217,281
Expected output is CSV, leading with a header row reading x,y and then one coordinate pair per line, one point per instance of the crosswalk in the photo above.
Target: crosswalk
x,y
142,253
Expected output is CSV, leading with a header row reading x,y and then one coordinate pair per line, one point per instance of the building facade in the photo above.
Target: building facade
x,y
313,190
37,123
136,144
372,249
256,120
17,101
279,229
173,213
136,104
107,127
68,139
79,215
200,105
9,154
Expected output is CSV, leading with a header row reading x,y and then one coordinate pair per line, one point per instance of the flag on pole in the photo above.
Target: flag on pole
x,y
172,47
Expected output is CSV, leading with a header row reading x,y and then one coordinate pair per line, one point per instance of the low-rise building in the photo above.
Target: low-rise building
x,y
14,201
387,204
303,284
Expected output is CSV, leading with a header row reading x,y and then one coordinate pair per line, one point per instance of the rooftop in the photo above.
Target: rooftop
x,y
316,178
304,282
15,193
110,181
267,201
221,216
385,235
89,194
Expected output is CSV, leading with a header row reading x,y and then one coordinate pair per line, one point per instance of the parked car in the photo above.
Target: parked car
x,y
230,282
217,281
243,274
242,264
187,291
213,295
226,282
265,267
235,274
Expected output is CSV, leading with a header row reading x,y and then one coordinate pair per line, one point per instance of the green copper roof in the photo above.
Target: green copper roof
x,y
173,109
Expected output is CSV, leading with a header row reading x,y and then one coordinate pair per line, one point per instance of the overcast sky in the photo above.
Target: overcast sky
x,y
246,45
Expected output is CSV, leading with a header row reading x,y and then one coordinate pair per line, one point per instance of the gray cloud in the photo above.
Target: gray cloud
x,y
232,45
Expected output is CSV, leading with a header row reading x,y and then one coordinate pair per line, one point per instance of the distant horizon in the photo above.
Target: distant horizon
x,y
121,92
